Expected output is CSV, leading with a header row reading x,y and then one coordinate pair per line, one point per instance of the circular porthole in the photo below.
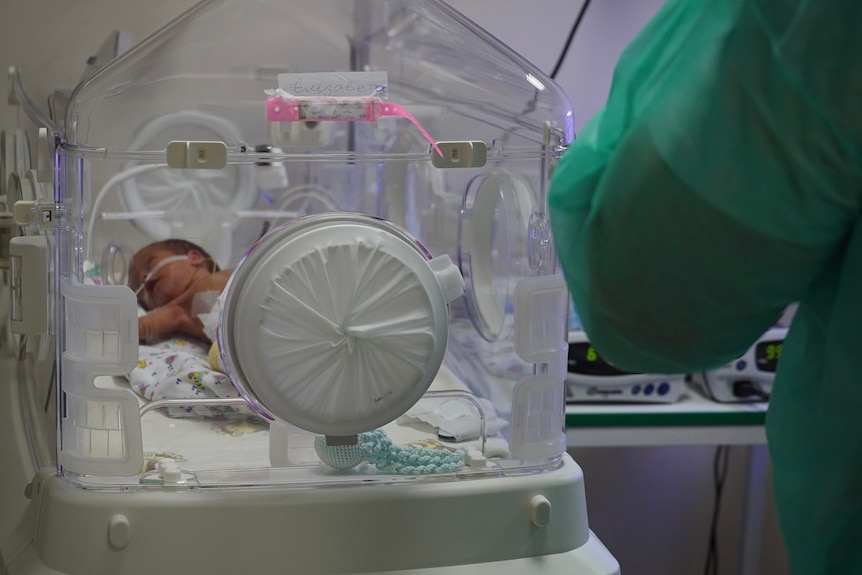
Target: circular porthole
x,y
116,262
493,236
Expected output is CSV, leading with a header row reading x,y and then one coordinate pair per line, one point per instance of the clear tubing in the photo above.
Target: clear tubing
x,y
157,267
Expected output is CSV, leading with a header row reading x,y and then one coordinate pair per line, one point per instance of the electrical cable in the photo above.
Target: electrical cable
x,y
719,474
745,390
100,198
571,37
531,104
51,387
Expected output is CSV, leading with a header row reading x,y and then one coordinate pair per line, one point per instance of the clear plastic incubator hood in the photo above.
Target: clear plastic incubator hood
x,y
378,384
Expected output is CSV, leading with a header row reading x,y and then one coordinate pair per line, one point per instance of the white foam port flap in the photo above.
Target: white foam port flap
x,y
336,323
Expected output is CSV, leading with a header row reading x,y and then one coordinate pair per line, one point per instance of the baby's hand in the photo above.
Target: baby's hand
x,y
168,319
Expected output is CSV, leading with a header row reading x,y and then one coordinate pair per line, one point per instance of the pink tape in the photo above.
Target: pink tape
x,y
338,110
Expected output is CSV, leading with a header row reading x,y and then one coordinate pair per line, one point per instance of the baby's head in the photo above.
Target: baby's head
x,y
163,270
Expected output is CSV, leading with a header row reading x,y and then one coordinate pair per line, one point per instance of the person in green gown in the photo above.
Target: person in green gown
x,y
721,182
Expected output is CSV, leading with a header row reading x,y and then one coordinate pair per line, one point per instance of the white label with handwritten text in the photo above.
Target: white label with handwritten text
x,y
335,84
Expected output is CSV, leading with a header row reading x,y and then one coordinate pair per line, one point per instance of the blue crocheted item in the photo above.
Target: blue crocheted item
x,y
376,448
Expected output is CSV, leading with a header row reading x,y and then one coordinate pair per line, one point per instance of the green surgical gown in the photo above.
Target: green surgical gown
x,y
723,181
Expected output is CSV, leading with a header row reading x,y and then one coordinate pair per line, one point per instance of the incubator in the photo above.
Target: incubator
x,y
382,388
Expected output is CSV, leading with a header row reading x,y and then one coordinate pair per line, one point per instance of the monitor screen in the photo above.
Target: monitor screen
x,y
767,354
584,359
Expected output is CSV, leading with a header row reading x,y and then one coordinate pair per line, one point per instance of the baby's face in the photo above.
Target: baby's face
x,y
161,284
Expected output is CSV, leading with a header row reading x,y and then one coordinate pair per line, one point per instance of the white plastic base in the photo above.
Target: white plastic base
x,y
524,524
592,558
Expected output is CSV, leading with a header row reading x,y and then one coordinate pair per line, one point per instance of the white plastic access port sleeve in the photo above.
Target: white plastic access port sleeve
x,y
541,321
538,404
101,428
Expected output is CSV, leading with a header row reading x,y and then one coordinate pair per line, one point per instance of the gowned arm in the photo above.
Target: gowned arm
x,y
708,195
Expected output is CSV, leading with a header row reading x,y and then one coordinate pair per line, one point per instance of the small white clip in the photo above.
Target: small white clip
x,y
22,212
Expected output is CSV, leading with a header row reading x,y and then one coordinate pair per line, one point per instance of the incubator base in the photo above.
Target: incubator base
x,y
530,523
592,558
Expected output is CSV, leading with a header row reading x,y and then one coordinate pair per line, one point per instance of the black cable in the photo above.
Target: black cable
x,y
531,104
51,385
571,37
719,474
745,390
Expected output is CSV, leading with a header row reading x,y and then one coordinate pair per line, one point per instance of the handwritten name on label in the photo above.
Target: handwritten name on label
x,y
335,84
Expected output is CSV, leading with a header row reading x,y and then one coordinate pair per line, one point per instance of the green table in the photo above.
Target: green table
x,y
693,420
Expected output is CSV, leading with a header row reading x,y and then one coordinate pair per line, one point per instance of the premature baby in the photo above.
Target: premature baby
x,y
169,278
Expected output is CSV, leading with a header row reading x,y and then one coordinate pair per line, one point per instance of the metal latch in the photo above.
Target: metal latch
x,y
464,154
193,155
39,216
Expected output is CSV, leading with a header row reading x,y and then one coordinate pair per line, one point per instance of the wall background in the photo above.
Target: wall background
x,y
650,506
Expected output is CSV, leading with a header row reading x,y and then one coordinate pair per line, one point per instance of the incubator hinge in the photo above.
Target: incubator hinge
x,y
40,216
554,145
